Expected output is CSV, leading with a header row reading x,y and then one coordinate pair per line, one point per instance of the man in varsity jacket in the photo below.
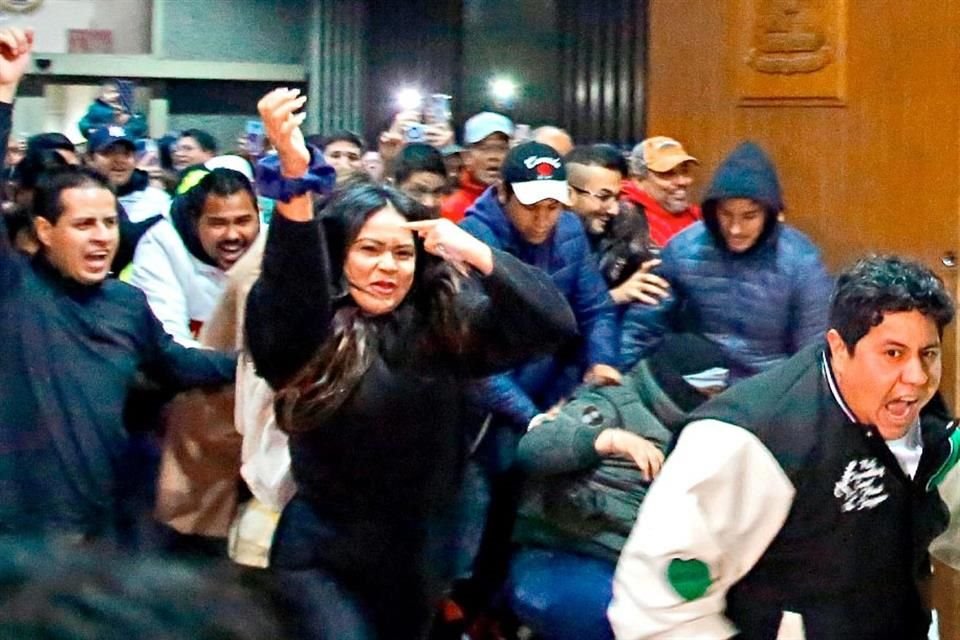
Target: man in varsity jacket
x,y
801,502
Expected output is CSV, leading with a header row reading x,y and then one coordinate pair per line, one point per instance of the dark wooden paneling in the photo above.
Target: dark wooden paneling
x,y
412,43
603,53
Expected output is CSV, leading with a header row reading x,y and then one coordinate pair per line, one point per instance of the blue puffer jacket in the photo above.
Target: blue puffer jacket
x,y
567,260
760,306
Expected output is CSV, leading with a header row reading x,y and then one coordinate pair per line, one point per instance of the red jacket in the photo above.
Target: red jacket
x,y
456,204
663,224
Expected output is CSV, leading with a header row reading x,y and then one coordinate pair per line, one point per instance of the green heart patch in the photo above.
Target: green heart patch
x,y
689,578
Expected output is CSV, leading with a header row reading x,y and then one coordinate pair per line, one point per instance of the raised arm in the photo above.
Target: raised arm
x,y
15,47
289,308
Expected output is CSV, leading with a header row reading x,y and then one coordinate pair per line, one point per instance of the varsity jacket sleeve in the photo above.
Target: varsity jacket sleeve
x,y
809,304
154,273
717,504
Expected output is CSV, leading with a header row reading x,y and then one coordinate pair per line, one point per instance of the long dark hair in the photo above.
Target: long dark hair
x,y
321,387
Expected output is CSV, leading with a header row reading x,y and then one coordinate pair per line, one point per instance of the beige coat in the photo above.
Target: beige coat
x,y
197,489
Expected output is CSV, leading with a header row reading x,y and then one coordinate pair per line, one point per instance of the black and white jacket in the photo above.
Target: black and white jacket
x,y
778,513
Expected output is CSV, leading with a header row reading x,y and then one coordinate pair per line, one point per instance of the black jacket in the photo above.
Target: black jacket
x,y
854,545
371,479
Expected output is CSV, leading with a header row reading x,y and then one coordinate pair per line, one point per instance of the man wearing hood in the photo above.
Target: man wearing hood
x,y
181,264
741,278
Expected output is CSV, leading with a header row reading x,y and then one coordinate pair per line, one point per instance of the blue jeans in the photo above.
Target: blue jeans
x,y
322,608
561,595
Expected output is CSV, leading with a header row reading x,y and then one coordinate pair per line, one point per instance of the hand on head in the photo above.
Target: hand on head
x,y
446,240
281,123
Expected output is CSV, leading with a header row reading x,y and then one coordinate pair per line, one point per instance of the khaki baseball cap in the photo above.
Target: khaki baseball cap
x,y
661,153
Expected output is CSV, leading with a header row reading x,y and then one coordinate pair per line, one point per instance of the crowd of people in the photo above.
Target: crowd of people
x,y
510,389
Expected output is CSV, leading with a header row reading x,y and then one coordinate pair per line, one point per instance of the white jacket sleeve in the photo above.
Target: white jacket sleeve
x,y
717,504
155,273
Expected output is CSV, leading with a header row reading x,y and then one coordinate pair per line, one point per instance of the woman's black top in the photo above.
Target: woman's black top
x,y
375,474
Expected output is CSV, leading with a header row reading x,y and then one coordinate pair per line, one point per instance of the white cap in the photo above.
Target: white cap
x,y
235,163
530,193
484,124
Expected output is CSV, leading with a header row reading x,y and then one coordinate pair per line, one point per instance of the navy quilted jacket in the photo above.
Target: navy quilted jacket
x,y
760,306
566,258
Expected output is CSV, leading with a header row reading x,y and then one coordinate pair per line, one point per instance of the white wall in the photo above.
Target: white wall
x,y
128,19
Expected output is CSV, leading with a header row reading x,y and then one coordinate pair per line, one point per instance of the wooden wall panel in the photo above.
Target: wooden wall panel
x,y
881,173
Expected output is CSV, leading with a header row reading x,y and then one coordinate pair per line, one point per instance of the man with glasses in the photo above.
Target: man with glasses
x,y
487,138
660,179
618,232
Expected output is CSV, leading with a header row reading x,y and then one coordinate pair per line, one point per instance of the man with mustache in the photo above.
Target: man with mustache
x,y
800,503
487,139
112,154
659,183
181,264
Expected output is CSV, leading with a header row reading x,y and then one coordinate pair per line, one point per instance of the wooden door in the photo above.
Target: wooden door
x,y
870,161
873,168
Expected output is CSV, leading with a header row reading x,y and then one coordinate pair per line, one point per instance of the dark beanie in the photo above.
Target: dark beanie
x,y
682,354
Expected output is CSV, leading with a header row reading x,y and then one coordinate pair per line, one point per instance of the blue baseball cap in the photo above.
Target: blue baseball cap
x,y
484,124
105,136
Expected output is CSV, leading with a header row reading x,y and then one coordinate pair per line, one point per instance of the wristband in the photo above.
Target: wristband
x,y
271,183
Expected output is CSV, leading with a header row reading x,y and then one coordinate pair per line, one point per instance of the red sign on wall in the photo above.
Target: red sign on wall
x,y
90,41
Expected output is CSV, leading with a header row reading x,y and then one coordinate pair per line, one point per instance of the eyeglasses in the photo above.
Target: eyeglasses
x,y
603,198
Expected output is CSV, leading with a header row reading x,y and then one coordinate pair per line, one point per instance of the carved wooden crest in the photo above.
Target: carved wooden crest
x,y
789,37
791,52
